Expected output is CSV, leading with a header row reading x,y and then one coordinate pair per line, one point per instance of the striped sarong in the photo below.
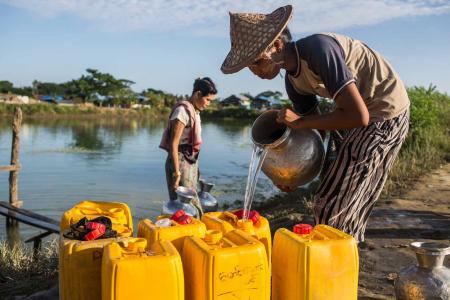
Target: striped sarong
x,y
354,181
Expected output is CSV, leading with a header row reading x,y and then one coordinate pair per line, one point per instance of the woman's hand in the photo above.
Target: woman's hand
x,y
288,117
176,182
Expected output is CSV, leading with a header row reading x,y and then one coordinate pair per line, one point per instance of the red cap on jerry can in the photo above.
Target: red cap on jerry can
x,y
239,213
184,220
177,215
254,216
302,228
95,234
95,225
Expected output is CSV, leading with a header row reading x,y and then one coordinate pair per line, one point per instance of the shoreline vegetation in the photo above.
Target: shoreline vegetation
x,y
80,111
426,148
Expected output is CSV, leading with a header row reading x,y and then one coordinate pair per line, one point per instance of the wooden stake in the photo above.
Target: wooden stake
x,y
17,124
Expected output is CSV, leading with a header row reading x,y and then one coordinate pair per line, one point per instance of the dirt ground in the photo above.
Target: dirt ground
x,y
421,213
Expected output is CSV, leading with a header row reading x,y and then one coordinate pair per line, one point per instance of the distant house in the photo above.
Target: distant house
x,y
55,99
238,101
262,102
142,98
47,98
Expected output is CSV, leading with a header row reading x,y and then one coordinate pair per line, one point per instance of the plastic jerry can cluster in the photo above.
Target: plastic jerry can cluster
x,y
173,229
130,270
319,263
225,266
80,261
80,268
256,225
119,213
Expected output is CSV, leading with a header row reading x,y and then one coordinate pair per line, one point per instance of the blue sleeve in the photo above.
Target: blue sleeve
x,y
303,104
326,58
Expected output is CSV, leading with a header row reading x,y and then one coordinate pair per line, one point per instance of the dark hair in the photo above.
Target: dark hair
x,y
205,85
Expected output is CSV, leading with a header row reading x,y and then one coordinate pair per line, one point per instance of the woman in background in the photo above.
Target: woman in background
x,y
182,137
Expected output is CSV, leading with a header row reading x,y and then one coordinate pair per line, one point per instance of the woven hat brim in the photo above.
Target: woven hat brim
x,y
245,61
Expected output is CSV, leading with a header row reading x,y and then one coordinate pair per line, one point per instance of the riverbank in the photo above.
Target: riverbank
x,y
80,111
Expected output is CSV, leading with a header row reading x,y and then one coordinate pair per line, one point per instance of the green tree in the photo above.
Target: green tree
x,y
159,99
6,86
124,97
48,88
97,85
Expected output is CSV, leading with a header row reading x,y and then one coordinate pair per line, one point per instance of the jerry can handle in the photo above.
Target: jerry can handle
x,y
231,217
115,212
89,210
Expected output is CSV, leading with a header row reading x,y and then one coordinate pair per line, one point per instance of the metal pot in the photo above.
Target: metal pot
x,y
294,156
430,279
184,201
209,203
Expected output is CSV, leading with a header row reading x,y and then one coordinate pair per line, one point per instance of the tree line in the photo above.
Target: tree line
x,y
103,89
95,87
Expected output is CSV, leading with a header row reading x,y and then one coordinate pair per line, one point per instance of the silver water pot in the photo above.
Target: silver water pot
x,y
430,279
294,156
184,201
208,201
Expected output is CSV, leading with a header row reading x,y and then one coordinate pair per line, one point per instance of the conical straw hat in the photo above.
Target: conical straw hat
x,y
251,34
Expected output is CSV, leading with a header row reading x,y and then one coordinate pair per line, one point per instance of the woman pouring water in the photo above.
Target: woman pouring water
x,y
371,103
182,137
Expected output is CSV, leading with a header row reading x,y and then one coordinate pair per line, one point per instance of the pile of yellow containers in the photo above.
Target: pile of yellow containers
x,y
131,270
220,257
230,266
176,233
80,261
320,265
227,221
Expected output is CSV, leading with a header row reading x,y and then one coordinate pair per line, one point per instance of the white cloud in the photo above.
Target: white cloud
x,y
208,17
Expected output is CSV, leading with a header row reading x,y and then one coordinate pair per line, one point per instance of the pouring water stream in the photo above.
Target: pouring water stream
x,y
257,159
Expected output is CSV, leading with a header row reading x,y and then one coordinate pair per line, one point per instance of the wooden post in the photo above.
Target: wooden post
x,y
17,124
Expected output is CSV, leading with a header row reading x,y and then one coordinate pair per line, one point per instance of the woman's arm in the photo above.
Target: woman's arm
x,y
177,128
350,112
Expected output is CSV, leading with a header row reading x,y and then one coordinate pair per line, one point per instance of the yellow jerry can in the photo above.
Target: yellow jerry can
x,y
175,233
130,270
80,268
227,221
225,267
119,213
318,264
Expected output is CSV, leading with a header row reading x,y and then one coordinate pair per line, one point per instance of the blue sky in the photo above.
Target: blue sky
x,y
166,44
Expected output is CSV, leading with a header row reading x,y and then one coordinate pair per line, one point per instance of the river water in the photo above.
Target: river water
x,y
65,161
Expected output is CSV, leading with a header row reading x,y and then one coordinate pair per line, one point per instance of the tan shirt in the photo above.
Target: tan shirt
x,y
380,86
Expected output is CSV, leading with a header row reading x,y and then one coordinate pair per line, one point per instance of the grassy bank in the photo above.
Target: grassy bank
x,y
428,142
230,113
21,273
78,111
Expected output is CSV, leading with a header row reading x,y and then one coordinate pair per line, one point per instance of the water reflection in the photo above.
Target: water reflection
x,y
69,160
232,128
